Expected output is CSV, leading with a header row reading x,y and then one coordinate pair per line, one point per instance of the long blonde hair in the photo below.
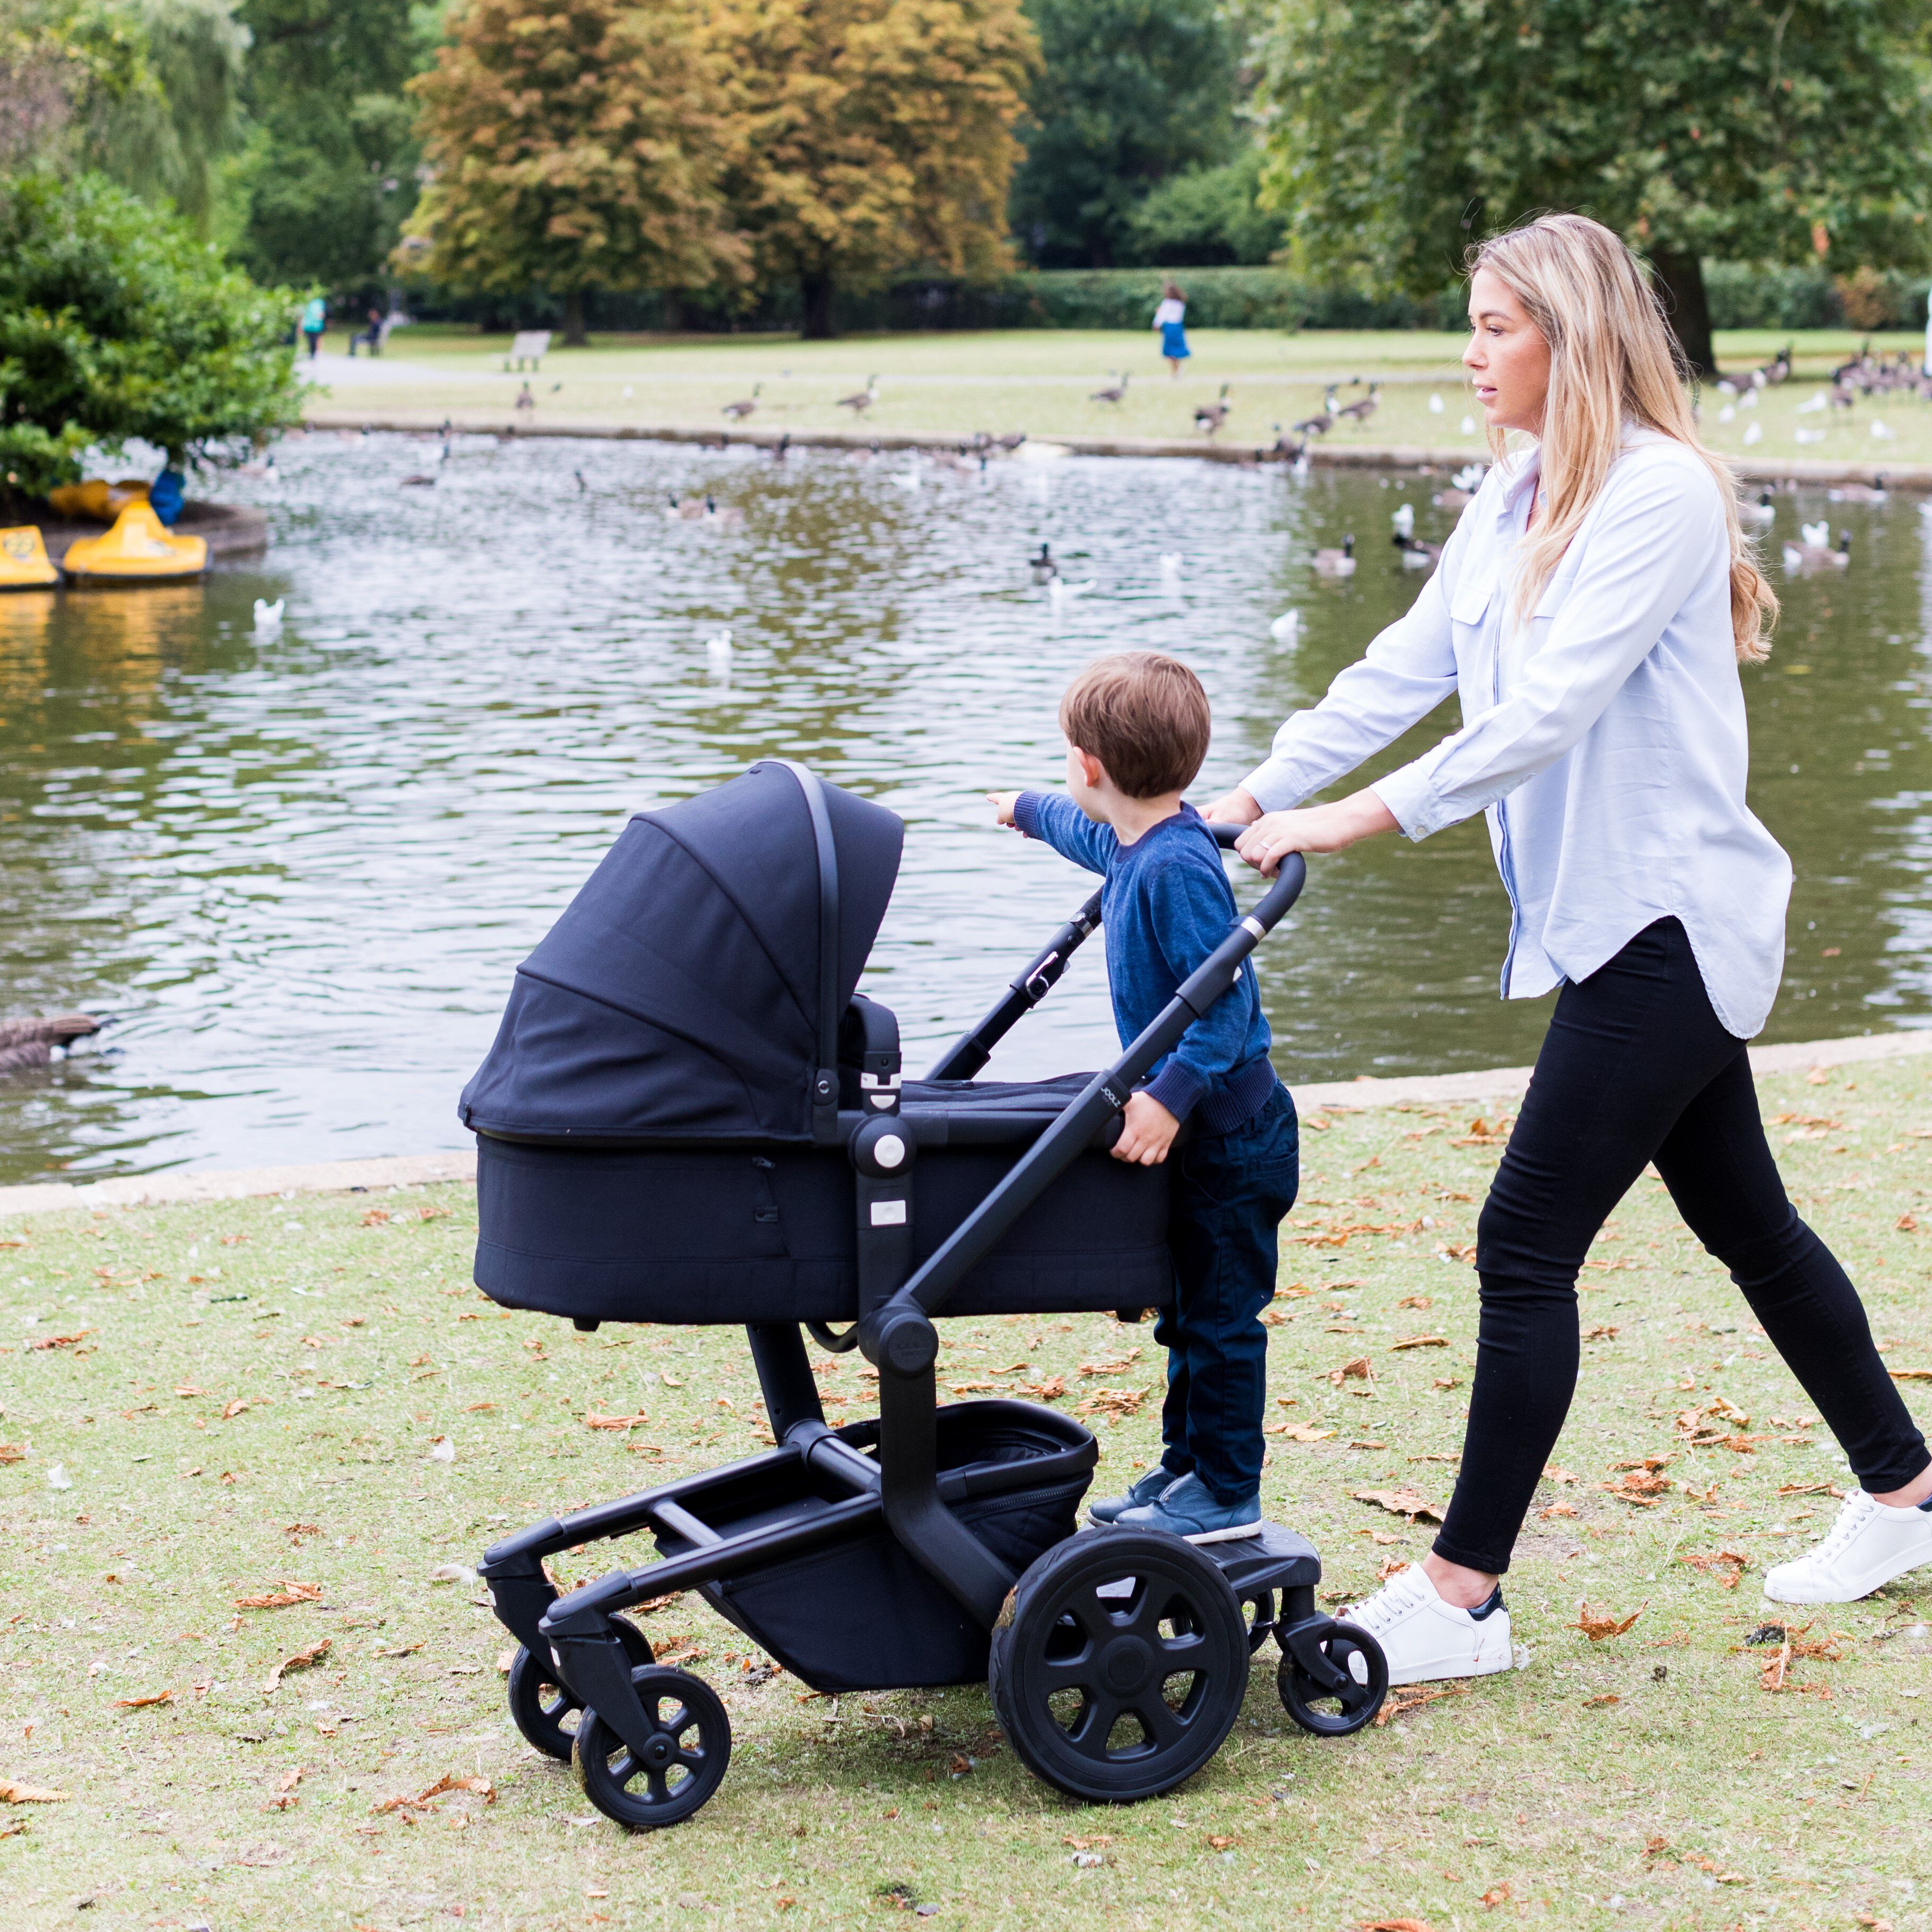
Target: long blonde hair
x,y
1612,360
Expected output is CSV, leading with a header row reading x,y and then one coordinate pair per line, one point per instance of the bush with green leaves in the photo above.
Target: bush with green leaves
x,y
115,323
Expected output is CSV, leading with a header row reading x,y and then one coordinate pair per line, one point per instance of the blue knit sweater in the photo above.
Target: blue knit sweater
x,y
1167,905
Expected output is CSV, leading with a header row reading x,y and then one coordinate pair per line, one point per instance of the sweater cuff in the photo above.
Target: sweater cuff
x,y
1026,812
1178,1087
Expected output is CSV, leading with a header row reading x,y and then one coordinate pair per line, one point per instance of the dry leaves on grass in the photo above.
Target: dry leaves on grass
x,y
1396,1925
1051,1389
448,1782
1421,1342
593,1421
12,1452
1360,1370
63,1341
1910,1375
11,1793
1496,1895
1706,1427
1297,1432
279,1595
1486,1133
303,1660
1117,1368
1408,1697
1404,1502
1112,1403
1598,1625
142,1703
1722,1566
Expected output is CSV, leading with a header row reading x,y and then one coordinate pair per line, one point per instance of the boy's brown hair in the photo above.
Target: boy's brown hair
x,y
1145,718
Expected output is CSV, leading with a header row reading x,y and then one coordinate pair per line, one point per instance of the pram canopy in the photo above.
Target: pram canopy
x,y
692,990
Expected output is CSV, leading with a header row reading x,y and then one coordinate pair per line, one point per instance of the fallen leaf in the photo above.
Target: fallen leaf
x,y
1415,1301
1412,1696
142,1703
1113,1403
1360,1370
303,1660
230,1410
1910,1375
1725,1566
1497,1895
279,1595
1298,1431
1120,1367
1223,1844
11,1793
1558,1509
1551,1474
449,1782
1608,1697
1421,1342
376,1217
11,1452
1395,1925
1400,1502
1598,1625
68,1341
1051,1389
290,1780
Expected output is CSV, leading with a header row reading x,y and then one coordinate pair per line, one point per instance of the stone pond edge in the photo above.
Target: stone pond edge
x,y
1489,1087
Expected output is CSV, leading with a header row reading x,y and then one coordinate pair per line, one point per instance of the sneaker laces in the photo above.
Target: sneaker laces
x,y
1391,1603
1854,1513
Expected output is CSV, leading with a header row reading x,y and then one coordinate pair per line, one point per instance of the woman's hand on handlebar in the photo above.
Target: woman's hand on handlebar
x,y
1238,808
1318,828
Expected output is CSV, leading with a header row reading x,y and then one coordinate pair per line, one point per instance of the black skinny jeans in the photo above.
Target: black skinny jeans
x,y
1635,1068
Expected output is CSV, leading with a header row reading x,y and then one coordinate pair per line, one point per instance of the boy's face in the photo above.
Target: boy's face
x,y
1085,776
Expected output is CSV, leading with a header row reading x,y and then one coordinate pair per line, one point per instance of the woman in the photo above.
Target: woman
x,y
1590,611
1170,324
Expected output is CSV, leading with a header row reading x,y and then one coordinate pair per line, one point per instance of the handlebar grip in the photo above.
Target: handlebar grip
x,y
1225,835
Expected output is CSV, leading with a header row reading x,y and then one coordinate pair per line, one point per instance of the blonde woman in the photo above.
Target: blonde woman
x,y
1591,611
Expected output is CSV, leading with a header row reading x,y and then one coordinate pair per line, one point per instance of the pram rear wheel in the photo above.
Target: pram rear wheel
x,y
1119,1664
1327,1712
683,1764
543,1710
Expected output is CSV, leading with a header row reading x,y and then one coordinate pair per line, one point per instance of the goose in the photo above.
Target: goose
x,y
1417,555
1209,416
34,1042
1361,412
685,509
739,411
581,485
1815,551
1873,492
1404,521
1286,628
862,399
727,513
1044,569
1337,563
417,483
1312,426
1287,445
1329,404
1117,393
269,616
1763,511
525,401
1011,443
779,448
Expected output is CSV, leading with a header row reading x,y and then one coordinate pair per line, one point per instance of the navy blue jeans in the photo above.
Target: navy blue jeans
x,y
1636,1068
1230,1192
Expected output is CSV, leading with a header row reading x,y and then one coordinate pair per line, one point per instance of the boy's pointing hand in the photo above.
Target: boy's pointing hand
x,y
1002,803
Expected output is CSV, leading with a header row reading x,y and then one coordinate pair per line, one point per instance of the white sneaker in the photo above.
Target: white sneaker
x,y
1423,1638
1870,1544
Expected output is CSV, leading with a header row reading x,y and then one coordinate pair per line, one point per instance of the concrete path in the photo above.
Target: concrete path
x,y
1500,1086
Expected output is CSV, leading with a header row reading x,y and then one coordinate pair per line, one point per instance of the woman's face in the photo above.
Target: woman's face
x,y
1507,356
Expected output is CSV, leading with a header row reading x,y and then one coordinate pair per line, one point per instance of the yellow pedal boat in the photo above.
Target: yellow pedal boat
x,y
137,550
24,564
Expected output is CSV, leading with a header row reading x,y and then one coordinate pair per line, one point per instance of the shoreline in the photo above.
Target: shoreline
x,y
1485,1087
1351,456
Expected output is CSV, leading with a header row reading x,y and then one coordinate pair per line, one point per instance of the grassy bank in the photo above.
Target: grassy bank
x,y
208,1404
948,386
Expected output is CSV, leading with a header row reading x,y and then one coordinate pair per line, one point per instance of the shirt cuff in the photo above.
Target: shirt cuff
x,y
1412,802
1178,1087
1276,785
1026,812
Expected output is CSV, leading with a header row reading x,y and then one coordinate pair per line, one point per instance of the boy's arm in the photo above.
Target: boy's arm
x,y
1191,917
1059,822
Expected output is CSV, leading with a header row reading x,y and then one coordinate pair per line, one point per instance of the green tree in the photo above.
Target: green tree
x,y
1206,217
115,321
1130,93
575,144
871,136
1754,130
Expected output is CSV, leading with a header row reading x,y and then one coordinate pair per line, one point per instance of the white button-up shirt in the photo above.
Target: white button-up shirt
x,y
1606,741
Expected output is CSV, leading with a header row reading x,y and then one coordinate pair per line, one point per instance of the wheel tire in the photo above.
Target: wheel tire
x,y
1080,1680
543,1710
680,1773
1336,1714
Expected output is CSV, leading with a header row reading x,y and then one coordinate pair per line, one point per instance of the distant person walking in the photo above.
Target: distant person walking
x,y
1170,324
315,320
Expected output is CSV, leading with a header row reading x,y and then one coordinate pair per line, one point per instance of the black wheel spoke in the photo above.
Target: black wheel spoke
x,y
1075,1673
1163,1723
1097,1719
659,1788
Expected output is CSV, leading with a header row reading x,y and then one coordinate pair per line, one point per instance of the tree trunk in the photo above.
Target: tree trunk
x,y
817,289
574,336
1681,277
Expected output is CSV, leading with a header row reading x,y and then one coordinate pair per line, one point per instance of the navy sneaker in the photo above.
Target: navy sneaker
x,y
1188,1509
1147,1489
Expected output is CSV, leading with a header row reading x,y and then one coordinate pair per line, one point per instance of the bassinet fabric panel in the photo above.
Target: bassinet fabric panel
x,y
717,1235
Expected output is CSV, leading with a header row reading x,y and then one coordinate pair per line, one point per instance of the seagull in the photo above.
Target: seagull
x,y
34,1042
1404,521
739,411
269,616
1170,569
863,399
717,649
1337,563
1060,591
1286,628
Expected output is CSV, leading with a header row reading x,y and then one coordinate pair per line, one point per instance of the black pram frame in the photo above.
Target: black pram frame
x,y
933,1544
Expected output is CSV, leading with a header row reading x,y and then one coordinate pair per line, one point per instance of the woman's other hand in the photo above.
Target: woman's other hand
x,y
1002,803
1319,828
1238,808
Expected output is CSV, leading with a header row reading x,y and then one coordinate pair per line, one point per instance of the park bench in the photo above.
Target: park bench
x,y
528,345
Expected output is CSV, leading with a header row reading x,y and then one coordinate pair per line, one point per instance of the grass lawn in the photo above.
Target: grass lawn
x,y
1041,381
206,1404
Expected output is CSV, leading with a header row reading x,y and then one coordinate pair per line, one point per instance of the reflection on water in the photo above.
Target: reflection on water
x,y
298,868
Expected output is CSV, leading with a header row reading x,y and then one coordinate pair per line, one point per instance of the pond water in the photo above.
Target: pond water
x,y
298,868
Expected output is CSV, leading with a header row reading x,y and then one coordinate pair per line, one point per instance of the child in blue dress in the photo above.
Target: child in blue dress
x,y
1170,324
1137,727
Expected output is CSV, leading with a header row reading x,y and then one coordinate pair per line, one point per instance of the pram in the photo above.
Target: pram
x,y
689,1115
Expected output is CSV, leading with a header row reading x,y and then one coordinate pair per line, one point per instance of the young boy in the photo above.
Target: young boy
x,y
1137,727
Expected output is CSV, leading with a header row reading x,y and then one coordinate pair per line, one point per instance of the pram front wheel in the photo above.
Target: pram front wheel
x,y
1119,1664
682,1764
543,1710
1329,1710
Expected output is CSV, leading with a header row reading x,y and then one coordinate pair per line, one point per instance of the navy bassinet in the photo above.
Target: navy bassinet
x,y
660,1135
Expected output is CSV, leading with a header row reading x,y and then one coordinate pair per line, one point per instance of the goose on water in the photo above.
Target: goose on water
x,y
1816,550
727,513
1415,554
1044,569
1337,563
34,1042
1763,511
1873,492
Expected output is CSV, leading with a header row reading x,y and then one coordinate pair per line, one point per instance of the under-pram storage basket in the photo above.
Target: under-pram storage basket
x,y
1017,1472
